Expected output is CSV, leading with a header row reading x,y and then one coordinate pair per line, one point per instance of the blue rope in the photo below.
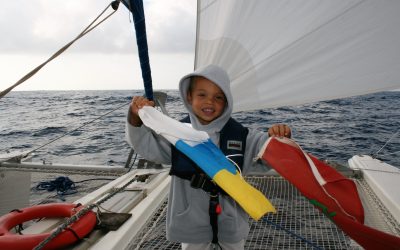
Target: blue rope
x,y
280,227
63,185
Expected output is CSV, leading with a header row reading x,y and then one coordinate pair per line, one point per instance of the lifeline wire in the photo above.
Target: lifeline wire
x,y
60,51
83,125
394,135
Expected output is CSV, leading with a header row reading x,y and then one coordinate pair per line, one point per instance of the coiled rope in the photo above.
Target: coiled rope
x,y
89,28
63,185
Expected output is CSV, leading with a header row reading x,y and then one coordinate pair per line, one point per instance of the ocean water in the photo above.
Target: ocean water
x,y
332,130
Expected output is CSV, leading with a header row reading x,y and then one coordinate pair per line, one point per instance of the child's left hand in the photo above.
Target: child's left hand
x,y
280,130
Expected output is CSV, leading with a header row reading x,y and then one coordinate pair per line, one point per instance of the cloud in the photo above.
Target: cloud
x,y
43,26
94,71
172,25
35,29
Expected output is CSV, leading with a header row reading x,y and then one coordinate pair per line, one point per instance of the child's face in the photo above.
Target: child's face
x,y
207,100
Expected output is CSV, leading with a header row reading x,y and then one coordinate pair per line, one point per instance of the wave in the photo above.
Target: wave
x,y
333,130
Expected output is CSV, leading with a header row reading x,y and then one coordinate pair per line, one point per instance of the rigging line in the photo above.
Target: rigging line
x,y
83,125
59,52
301,38
394,135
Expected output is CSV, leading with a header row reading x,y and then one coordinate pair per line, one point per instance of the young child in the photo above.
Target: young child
x,y
207,97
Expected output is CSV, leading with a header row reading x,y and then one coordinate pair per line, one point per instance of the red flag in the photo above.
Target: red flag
x,y
331,192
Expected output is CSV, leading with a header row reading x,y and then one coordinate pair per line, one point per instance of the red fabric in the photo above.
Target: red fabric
x,y
290,162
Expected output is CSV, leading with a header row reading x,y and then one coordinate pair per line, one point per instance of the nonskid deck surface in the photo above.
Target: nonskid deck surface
x,y
297,225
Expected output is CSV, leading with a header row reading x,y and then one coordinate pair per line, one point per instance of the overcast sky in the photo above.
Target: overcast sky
x,y
107,57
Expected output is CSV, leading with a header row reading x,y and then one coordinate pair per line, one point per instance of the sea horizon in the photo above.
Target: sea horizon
x,y
332,130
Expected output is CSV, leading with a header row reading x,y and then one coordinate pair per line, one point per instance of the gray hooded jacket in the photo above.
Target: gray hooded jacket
x,y
187,215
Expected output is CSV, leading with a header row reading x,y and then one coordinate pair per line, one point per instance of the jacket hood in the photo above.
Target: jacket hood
x,y
218,76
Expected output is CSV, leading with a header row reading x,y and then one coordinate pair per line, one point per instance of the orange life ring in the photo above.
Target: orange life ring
x,y
76,230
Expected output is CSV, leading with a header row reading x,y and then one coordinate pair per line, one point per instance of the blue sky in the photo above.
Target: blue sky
x,y
106,58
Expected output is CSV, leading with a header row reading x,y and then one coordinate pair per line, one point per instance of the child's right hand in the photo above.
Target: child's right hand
x,y
137,103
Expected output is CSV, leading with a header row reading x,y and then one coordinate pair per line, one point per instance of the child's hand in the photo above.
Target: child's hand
x,y
280,130
137,103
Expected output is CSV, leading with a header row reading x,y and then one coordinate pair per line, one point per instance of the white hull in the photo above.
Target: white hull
x,y
14,190
382,178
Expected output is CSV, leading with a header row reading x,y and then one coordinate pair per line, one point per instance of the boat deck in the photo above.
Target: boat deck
x,y
296,225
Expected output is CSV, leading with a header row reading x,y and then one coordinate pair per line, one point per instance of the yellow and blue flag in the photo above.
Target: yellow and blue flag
x,y
198,146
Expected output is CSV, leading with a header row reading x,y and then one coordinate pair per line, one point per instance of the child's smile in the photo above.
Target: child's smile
x,y
207,100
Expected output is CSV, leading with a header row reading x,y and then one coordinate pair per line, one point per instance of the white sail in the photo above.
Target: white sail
x,y
285,52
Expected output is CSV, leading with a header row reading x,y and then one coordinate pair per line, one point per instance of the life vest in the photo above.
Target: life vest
x,y
232,143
